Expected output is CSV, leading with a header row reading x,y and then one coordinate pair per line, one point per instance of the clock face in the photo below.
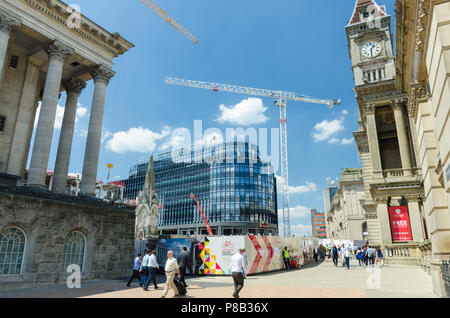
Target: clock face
x,y
371,49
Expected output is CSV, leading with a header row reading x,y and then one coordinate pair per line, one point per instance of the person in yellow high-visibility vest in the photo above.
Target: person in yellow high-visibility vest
x,y
286,257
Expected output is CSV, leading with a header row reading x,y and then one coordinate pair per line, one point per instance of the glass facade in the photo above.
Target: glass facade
x,y
234,187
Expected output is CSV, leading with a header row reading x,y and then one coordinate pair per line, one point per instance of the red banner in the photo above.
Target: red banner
x,y
400,227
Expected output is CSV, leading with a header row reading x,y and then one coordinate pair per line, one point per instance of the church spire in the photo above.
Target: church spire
x,y
149,183
366,10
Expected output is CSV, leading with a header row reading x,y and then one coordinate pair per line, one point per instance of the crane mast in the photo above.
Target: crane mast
x,y
281,98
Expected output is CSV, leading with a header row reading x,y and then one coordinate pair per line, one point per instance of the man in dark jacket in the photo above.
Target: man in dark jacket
x,y
316,254
335,255
182,260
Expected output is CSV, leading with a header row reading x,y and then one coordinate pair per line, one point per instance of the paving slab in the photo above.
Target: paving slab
x,y
321,280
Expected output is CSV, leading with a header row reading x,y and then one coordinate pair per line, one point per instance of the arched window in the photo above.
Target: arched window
x,y
12,247
74,251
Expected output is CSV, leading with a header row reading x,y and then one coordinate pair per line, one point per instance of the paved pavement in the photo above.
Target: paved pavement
x,y
322,280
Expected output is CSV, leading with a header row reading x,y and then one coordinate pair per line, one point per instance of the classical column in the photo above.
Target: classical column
x,y
7,24
372,137
102,76
25,120
415,219
73,88
44,132
402,135
385,225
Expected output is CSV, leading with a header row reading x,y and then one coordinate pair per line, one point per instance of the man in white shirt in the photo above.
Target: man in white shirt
x,y
145,270
152,266
238,272
170,268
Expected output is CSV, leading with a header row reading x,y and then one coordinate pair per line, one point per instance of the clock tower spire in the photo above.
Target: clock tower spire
x,y
370,45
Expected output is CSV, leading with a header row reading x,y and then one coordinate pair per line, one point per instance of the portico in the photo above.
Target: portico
x,y
41,56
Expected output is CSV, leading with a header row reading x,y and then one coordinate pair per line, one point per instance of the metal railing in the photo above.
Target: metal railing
x,y
445,268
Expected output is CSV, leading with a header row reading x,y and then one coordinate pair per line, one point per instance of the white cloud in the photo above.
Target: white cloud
x,y
346,141
297,229
301,230
180,137
80,114
345,112
333,140
297,212
307,187
105,135
250,111
325,130
212,138
136,139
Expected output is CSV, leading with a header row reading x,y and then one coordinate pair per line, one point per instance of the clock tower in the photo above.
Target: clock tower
x,y
370,45
384,136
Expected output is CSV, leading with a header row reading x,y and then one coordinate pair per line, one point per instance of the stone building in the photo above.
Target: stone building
x,y
423,68
403,137
345,218
47,48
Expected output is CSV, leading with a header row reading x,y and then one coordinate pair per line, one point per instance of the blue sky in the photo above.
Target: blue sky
x,y
292,45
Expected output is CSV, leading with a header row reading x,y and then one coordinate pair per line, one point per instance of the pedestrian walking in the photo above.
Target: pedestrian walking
x,y
341,253
136,270
145,269
244,256
171,268
152,268
327,253
370,256
316,254
238,273
347,255
286,258
183,259
365,258
360,257
380,257
335,255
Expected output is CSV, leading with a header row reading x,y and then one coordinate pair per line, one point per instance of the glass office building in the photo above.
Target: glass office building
x,y
236,190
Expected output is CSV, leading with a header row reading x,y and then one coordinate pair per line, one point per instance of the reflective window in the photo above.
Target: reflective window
x,y
74,251
12,247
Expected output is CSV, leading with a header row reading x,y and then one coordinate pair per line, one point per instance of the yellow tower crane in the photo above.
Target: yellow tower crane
x,y
169,20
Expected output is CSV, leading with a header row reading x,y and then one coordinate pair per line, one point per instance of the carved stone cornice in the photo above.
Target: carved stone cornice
x,y
413,198
361,141
8,22
59,51
369,109
421,25
60,12
417,94
102,74
397,104
74,86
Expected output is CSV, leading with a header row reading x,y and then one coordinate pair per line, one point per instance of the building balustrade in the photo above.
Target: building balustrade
x,y
399,173
408,253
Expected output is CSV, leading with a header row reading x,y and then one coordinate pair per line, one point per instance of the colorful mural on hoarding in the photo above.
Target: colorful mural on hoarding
x,y
263,253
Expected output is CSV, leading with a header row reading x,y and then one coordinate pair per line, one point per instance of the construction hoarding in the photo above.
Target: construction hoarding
x,y
263,253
